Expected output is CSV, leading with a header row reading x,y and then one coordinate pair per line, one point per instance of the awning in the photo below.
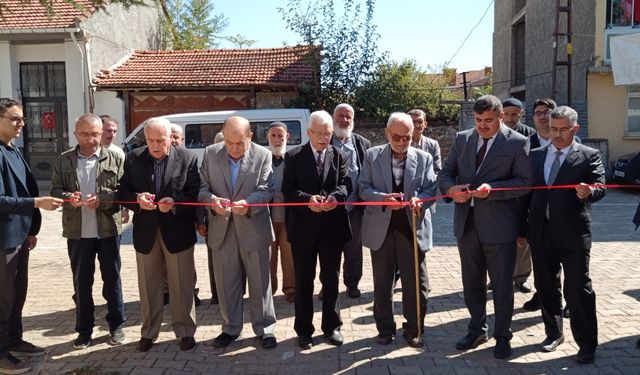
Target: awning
x,y
625,59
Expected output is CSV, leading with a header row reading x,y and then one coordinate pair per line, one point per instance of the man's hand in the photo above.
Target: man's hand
x,y
75,199
124,216
521,241
239,207
481,191
201,229
393,197
583,191
145,200
459,193
165,204
31,242
93,201
220,206
316,199
415,204
47,203
330,203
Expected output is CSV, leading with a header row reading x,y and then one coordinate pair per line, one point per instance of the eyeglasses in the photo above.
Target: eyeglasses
x,y
15,120
89,135
542,113
320,134
560,130
398,138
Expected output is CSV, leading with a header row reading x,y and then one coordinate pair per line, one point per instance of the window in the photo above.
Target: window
x,y
519,57
623,17
202,135
633,110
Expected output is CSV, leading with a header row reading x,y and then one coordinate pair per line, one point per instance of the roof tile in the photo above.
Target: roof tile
x,y
285,66
31,15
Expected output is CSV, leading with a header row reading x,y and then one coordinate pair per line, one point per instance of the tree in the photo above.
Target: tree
x,y
240,41
98,4
402,86
192,24
349,45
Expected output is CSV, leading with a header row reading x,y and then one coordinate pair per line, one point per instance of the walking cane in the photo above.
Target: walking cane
x,y
417,268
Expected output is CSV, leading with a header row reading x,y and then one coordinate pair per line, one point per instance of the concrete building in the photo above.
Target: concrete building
x,y
47,62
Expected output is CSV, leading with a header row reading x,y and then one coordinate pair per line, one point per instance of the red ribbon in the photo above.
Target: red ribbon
x,y
401,203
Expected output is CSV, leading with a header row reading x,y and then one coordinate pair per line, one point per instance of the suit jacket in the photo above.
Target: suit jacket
x,y
570,216
527,131
301,181
254,184
376,180
506,165
181,182
18,216
433,148
362,144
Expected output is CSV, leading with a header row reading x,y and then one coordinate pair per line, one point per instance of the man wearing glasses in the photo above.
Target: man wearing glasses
x,y
541,117
87,176
19,224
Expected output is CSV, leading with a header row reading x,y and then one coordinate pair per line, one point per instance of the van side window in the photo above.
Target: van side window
x,y
260,129
200,135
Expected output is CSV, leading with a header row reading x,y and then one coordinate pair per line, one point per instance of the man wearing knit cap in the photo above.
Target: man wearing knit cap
x,y
513,113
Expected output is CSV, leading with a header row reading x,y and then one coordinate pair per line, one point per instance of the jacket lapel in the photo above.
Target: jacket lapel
x,y
328,160
410,166
14,167
384,164
571,158
223,162
147,171
170,168
499,140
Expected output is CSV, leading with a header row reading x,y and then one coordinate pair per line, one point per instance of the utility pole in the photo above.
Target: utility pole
x,y
569,49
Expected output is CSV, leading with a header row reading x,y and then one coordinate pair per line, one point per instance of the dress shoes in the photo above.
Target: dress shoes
x,y
290,297
384,338
533,304
215,300
412,339
223,340
268,342
566,313
166,299
502,349
586,356
144,344
334,338
523,287
353,292
187,343
471,341
305,342
550,344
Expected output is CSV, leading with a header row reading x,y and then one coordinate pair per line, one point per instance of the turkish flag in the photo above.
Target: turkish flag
x,y
48,120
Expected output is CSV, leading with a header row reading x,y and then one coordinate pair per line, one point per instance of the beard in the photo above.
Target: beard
x,y
278,150
342,132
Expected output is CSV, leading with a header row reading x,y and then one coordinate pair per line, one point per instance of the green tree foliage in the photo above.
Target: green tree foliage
x,y
240,41
403,86
349,46
192,24
98,4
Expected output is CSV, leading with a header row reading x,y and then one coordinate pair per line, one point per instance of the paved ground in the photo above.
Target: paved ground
x,y
49,318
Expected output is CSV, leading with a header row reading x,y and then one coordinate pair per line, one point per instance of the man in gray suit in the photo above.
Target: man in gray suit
x,y
390,172
234,174
485,222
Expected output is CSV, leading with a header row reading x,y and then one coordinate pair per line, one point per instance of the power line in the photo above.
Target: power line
x,y
470,32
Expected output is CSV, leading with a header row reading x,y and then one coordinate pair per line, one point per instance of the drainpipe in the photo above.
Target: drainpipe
x,y
82,61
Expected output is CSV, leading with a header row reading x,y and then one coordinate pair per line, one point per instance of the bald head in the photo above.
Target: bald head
x,y
237,136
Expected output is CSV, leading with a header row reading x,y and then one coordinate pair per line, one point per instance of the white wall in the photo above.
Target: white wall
x,y
107,103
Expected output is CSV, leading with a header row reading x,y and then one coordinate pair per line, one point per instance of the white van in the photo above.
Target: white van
x,y
200,128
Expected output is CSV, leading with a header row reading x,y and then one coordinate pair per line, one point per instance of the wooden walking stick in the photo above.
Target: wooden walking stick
x,y
417,270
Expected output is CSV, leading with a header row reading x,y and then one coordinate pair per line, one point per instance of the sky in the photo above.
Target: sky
x,y
427,31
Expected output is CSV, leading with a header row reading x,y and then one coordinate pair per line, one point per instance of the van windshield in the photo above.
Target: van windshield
x,y
202,135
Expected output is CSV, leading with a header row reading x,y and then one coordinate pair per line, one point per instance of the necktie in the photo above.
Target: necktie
x,y
320,164
481,152
555,167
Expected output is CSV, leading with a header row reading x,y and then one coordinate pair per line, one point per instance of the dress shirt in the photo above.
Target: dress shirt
x,y
86,171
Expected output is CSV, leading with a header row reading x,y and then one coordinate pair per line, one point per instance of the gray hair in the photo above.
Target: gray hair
x,y
321,118
565,112
418,112
218,138
401,117
157,122
175,128
89,118
343,105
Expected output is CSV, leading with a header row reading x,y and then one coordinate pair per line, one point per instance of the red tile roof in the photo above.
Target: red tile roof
x,y
17,14
286,66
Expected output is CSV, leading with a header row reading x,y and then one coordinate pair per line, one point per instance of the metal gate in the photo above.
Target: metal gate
x,y
44,97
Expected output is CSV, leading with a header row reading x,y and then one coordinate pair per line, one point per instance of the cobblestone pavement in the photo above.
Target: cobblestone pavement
x,y
49,318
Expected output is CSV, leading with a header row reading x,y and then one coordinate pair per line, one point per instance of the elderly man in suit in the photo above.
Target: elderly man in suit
x,y
560,232
19,224
485,222
235,174
317,173
156,177
390,172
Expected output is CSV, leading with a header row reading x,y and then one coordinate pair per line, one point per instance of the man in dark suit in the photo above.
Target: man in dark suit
x,y
155,177
485,222
541,118
354,146
559,232
317,173
19,224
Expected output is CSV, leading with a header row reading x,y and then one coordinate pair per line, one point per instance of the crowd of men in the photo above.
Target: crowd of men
x,y
501,226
